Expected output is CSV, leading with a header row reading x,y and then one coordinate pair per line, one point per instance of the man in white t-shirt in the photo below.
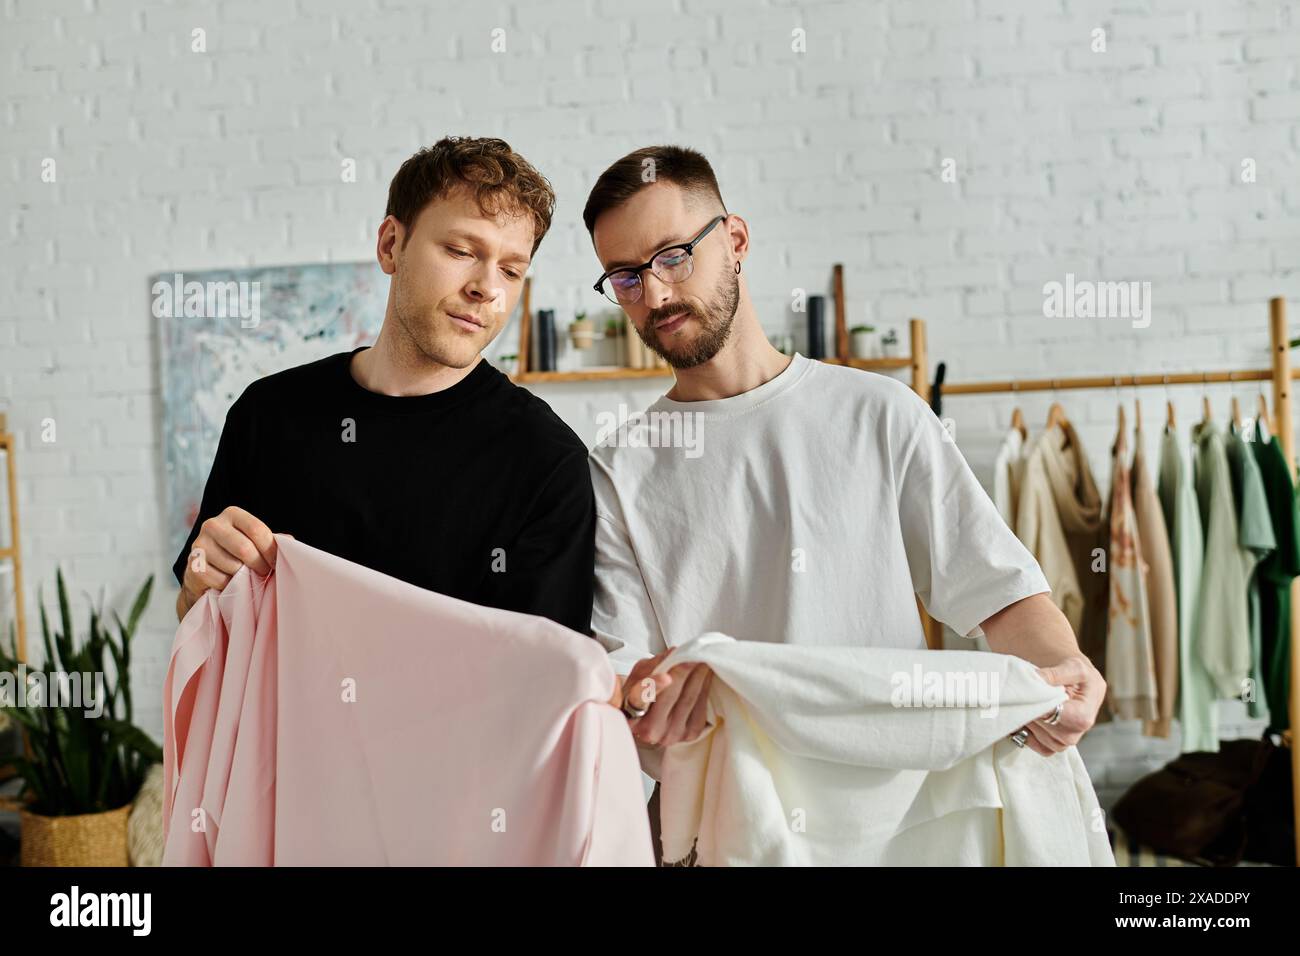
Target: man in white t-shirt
x,y
780,499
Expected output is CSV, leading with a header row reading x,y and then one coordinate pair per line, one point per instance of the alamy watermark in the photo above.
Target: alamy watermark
x,y
1085,299
78,689
175,298
931,688
655,429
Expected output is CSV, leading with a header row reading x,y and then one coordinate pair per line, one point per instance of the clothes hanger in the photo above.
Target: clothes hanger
x,y
1018,418
1120,445
1169,408
1263,414
1055,413
1056,416
1018,422
1205,401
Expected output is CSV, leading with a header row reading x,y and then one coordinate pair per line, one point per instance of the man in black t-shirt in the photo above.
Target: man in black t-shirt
x,y
414,456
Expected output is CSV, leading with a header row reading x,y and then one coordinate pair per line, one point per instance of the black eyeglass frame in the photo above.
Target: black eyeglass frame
x,y
690,252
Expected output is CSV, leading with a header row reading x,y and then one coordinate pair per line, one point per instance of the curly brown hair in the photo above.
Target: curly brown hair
x,y
501,180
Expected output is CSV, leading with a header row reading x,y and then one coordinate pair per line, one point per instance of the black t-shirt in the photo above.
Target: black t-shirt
x,y
479,491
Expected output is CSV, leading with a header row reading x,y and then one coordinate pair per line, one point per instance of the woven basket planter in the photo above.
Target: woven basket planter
x,y
89,839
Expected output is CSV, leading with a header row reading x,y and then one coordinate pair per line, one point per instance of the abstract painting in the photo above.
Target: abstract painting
x,y
221,330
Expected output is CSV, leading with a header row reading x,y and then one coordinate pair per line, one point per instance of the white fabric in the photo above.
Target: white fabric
x,y
1008,471
809,760
813,511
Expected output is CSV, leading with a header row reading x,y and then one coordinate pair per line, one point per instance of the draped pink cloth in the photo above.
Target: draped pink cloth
x,y
328,714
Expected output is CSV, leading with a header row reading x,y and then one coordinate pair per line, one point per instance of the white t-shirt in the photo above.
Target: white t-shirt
x,y
809,510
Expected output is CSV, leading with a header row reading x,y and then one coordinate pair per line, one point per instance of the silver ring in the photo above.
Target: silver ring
x,y
1056,716
631,712
1020,736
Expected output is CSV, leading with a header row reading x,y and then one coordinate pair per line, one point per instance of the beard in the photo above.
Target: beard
x,y
715,325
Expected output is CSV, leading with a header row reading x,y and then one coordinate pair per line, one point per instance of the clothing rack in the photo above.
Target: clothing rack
x,y
1281,375
10,553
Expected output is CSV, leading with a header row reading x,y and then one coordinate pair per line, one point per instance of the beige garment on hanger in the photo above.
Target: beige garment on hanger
x,y
1161,594
1059,520
1130,671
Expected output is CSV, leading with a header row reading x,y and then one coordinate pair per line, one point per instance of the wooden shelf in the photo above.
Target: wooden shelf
x,y
916,361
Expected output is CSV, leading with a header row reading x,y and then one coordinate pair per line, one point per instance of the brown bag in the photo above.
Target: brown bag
x,y
1195,807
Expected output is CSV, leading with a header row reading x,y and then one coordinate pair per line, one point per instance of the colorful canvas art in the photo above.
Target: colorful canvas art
x,y
220,330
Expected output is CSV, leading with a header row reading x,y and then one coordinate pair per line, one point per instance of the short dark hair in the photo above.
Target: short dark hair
x,y
679,165
499,178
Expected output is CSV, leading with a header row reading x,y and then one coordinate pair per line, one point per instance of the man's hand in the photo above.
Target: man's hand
x,y
677,700
616,698
1034,629
1086,688
225,543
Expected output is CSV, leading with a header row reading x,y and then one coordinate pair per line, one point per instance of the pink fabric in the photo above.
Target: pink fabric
x,y
476,737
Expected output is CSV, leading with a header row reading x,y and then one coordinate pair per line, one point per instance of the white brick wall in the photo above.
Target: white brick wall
x,y
1115,165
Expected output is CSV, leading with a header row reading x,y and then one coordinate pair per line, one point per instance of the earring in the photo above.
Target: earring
x,y
737,268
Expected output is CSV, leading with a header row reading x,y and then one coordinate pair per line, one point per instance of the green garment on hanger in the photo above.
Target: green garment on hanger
x,y
1196,714
1275,573
1223,609
1255,534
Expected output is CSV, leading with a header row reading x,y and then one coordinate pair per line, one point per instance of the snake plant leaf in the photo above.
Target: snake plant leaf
x,y
64,640
50,659
137,609
132,738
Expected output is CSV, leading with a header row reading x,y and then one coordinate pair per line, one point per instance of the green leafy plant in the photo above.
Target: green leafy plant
x,y
862,328
83,763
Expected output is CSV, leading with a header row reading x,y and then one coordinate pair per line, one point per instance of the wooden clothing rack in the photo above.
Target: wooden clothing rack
x,y
9,552
1281,375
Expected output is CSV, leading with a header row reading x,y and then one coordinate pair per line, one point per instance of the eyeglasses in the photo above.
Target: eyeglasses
x,y
673,264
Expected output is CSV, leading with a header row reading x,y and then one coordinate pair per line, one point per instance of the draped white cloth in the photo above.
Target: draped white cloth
x,y
873,756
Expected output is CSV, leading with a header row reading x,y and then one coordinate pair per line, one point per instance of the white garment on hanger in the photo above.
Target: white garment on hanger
x,y
1008,469
825,756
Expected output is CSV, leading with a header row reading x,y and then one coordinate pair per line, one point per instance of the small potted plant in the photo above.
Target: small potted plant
x,y
509,363
581,331
889,343
860,341
88,759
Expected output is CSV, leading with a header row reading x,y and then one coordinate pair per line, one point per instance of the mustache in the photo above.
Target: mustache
x,y
655,316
